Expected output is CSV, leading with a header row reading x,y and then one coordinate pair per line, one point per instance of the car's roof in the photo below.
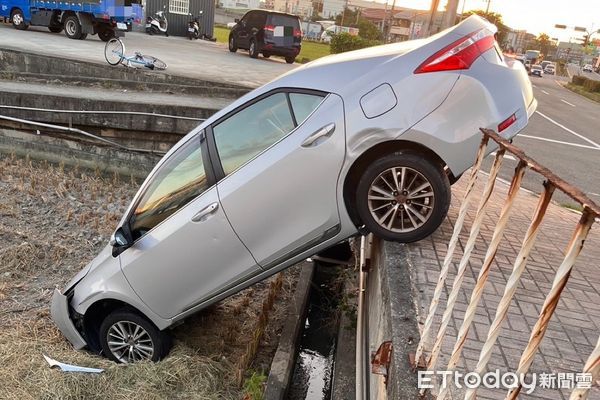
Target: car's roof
x,y
273,12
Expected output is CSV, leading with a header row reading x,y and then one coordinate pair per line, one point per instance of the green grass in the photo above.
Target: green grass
x,y
574,207
310,50
595,96
254,386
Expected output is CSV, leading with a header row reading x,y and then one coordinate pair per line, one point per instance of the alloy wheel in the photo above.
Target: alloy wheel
x,y
401,199
129,342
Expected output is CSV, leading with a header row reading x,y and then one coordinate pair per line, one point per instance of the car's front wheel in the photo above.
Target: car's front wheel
x,y
127,337
403,197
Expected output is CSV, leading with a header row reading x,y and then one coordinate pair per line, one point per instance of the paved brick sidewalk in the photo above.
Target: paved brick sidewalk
x,y
575,326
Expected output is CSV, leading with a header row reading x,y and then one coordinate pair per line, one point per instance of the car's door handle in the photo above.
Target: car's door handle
x,y
325,131
203,214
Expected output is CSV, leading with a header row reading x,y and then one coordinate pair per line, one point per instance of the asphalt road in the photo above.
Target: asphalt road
x,y
577,70
563,135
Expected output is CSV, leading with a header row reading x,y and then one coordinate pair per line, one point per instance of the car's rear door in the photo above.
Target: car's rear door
x,y
281,171
185,250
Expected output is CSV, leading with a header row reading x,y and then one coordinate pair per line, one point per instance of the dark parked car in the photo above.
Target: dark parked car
x,y
268,32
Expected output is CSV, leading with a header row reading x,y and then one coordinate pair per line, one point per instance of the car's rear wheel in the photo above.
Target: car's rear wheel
x,y
290,59
127,337
403,197
232,44
266,55
253,49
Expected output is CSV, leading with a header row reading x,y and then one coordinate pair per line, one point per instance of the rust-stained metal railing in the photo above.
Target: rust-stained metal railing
x,y
591,211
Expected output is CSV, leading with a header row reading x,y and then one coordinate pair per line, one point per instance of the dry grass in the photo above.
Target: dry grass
x,y
52,222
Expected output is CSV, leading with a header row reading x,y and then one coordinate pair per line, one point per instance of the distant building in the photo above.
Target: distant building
x,y
398,23
516,41
569,51
245,4
302,8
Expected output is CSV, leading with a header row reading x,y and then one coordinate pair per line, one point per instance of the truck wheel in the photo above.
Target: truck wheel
x,y
18,20
72,27
55,29
106,34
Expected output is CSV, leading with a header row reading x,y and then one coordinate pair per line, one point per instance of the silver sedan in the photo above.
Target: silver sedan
x,y
362,141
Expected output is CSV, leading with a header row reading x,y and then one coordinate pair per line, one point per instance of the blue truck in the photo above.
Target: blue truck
x,y
106,18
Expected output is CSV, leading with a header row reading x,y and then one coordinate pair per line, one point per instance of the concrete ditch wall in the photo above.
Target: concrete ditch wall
x,y
13,61
392,317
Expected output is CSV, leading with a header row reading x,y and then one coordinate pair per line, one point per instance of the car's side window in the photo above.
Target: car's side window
x,y
304,104
247,133
179,180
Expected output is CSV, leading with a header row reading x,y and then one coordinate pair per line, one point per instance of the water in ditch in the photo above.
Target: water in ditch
x,y
313,371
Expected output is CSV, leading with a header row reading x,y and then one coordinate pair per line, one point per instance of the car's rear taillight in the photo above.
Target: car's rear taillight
x,y
297,32
507,122
269,28
460,54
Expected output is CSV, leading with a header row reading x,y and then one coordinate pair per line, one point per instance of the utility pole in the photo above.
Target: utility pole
x,y
487,9
450,15
434,7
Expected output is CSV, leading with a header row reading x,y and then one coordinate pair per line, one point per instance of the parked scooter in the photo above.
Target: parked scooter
x,y
157,23
194,26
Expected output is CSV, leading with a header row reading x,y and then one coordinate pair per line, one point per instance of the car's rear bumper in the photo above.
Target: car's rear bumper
x,y
281,51
60,315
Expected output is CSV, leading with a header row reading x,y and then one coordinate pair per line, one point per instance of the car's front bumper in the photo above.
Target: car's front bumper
x,y
60,314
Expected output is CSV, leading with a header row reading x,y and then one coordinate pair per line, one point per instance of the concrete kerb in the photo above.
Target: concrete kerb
x,y
393,276
282,366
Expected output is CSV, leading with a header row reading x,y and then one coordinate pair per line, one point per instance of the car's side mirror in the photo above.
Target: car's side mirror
x,y
236,20
119,239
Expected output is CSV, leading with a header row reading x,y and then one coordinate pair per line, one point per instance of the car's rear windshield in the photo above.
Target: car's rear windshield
x,y
284,20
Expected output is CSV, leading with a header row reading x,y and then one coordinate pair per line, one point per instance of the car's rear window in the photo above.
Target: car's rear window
x,y
284,20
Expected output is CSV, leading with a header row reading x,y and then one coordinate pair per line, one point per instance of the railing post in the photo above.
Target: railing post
x,y
592,367
464,261
511,285
560,280
451,248
513,190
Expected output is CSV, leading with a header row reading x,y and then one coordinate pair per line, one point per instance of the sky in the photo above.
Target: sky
x,y
537,16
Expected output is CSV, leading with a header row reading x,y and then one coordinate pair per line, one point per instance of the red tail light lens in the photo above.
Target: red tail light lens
x,y
460,54
298,32
507,122
269,28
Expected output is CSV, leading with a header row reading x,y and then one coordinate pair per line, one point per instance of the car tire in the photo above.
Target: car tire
x,y
72,27
149,343
290,59
266,55
232,44
253,49
403,210
18,20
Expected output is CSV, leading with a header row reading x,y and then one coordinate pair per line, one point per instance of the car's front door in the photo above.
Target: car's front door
x,y
185,250
281,157
244,31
